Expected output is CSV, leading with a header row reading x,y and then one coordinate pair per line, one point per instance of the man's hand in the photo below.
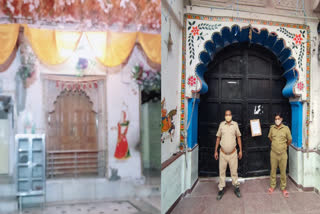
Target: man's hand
x,y
216,155
240,155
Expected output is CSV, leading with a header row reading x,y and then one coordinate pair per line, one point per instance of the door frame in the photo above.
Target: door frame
x,y
101,104
242,50
190,98
220,40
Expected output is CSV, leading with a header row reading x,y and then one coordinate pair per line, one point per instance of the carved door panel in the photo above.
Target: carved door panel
x,y
72,125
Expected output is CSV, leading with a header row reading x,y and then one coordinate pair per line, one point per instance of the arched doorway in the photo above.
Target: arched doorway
x,y
72,136
247,79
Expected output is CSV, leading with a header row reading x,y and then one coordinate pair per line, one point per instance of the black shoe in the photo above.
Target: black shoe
x,y
220,194
237,192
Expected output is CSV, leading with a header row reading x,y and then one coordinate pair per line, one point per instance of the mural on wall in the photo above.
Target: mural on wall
x,y
197,33
297,43
122,151
167,125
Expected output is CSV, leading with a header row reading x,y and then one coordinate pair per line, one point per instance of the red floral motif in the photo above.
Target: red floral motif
x,y
192,80
195,31
300,86
298,39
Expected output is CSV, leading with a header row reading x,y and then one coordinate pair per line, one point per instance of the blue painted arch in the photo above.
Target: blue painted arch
x,y
235,34
262,37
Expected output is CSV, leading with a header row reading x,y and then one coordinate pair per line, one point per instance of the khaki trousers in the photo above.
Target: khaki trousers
x,y
281,161
232,160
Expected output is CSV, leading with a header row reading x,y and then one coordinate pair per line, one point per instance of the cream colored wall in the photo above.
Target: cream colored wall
x,y
173,177
171,71
4,145
172,183
8,83
121,91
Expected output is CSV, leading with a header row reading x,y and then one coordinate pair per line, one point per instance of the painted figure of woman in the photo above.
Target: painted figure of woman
x,y
122,149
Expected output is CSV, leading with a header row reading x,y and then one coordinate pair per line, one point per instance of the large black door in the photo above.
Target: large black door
x,y
247,80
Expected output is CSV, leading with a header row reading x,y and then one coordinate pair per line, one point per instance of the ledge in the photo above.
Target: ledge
x,y
305,150
191,150
171,160
188,191
306,189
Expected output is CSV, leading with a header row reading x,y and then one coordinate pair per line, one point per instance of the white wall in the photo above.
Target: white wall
x,y
172,183
175,178
314,135
171,66
121,89
8,82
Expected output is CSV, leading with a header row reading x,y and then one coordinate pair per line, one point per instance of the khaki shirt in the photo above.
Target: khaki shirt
x,y
279,138
228,134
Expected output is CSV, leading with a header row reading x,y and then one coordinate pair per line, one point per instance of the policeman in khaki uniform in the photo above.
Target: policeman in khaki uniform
x,y
280,137
227,133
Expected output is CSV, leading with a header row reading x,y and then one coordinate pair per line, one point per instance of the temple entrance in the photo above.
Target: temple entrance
x,y
72,147
247,79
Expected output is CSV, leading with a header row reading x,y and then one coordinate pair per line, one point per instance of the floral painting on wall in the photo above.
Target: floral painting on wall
x,y
167,125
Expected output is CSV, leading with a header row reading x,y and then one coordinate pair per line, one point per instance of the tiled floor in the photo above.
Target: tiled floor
x,y
106,207
254,200
87,208
155,201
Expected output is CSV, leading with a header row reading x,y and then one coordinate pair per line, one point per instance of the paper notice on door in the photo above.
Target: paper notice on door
x,y
255,128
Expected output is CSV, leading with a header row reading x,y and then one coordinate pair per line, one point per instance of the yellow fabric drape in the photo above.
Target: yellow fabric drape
x,y
112,48
8,39
151,44
52,47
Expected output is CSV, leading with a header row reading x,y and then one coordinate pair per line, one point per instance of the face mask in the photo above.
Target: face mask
x,y
277,122
228,118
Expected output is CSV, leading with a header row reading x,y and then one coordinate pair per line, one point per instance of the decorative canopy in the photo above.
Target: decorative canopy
x,y
8,38
235,34
206,36
54,47
85,15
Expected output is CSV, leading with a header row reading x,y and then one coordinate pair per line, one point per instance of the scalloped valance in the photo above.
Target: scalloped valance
x,y
54,47
8,39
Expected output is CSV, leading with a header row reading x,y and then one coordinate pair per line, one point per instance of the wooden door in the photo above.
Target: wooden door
x,y
72,147
247,79
72,125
